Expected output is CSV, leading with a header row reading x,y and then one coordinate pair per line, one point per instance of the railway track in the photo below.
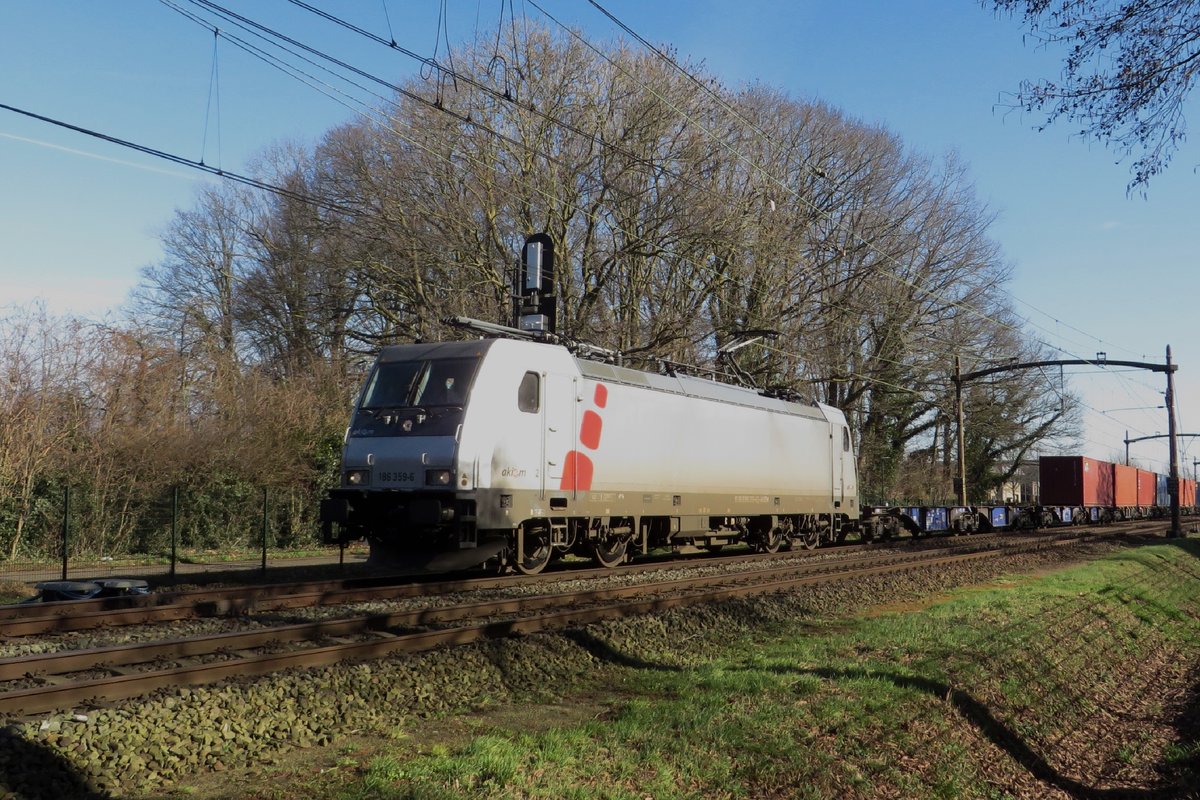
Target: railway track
x,y
78,615
43,682
29,619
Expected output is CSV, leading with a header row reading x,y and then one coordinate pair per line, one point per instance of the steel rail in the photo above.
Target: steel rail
x,y
118,655
77,615
124,686
239,603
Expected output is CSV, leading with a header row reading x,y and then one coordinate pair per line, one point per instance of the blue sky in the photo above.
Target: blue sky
x,y
1093,269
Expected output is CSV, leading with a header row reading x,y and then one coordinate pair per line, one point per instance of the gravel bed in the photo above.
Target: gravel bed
x,y
156,631
146,744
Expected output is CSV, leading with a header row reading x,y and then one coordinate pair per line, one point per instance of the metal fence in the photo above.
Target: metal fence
x,y
169,537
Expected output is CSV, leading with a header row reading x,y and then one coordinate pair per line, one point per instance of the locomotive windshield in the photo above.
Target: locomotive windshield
x,y
420,384
415,398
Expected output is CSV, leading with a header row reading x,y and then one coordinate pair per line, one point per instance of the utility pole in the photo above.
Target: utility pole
x,y
1173,480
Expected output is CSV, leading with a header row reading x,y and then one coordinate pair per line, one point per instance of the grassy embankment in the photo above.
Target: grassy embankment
x,y
1049,686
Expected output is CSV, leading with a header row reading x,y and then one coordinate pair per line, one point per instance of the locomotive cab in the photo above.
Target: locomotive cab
x,y
452,447
400,461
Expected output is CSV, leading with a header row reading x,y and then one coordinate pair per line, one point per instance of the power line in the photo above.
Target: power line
x,y
328,205
267,186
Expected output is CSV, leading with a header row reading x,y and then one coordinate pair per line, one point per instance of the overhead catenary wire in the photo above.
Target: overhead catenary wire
x,y
795,354
324,203
392,45
214,88
202,160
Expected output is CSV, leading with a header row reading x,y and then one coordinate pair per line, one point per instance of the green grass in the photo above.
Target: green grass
x,y
957,700
991,692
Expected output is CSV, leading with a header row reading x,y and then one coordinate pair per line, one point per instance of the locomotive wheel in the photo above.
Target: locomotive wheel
x,y
772,541
610,551
536,553
810,537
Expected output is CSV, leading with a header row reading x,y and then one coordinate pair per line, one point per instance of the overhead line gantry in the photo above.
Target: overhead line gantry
x,y
1101,360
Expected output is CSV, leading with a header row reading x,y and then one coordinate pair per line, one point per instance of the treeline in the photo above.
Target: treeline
x,y
122,418
682,212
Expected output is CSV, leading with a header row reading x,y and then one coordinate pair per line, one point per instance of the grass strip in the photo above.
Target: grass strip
x,y
1077,682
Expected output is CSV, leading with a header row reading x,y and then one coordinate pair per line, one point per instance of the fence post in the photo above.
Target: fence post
x,y
66,528
264,532
174,530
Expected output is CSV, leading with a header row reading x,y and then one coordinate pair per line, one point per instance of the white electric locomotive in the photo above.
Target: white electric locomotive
x,y
512,450
517,452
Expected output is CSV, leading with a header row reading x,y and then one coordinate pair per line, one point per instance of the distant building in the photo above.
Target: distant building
x,y
1023,487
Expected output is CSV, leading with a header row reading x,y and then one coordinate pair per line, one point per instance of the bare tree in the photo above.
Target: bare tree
x,y
190,295
1127,74
40,412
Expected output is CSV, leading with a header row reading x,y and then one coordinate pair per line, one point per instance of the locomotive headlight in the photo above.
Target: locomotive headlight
x,y
357,477
438,477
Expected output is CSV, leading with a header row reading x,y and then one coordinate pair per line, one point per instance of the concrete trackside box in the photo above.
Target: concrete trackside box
x,y
1075,481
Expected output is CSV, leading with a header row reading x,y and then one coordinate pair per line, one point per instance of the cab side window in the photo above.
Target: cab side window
x,y
529,392
846,439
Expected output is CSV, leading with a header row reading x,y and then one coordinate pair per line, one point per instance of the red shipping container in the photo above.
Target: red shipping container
x,y
1075,481
1147,488
1124,485
1187,492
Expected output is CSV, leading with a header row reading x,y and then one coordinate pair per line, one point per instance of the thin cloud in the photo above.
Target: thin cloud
x,y
134,164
